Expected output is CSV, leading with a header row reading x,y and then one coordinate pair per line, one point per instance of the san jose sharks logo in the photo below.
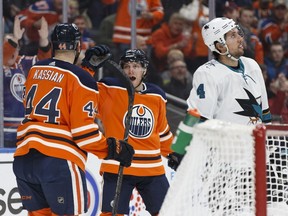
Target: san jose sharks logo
x,y
142,121
250,107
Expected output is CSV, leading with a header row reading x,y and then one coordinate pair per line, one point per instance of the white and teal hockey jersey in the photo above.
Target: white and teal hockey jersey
x,y
231,94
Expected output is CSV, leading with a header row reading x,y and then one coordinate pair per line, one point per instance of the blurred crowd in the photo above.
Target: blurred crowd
x,y
169,31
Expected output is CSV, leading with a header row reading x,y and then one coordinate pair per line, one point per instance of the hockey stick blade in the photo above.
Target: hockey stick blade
x,y
131,91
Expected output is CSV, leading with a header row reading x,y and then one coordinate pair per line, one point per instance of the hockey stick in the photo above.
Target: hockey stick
x,y
130,90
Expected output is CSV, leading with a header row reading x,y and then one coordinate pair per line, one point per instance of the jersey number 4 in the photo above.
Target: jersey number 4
x,y
200,91
46,107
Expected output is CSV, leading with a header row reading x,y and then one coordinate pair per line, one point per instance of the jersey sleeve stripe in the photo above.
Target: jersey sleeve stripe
x,y
164,138
150,165
83,128
165,130
92,133
165,134
146,152
135,165
43,128
52,145
44,135
147,158
90,141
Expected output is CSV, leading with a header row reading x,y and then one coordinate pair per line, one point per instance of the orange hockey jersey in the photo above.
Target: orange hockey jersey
x,y
149,132
60,106
122,26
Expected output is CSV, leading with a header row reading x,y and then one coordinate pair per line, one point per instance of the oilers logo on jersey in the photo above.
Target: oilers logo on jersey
x,y
142,121
17,85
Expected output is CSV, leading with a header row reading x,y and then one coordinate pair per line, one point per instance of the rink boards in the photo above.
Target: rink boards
x,y
10,204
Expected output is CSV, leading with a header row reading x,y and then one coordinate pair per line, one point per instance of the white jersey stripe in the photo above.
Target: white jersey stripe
x,y
45,130
52,145
135,165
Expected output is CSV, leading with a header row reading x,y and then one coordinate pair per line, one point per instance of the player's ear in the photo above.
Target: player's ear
x,y
221,47
144,71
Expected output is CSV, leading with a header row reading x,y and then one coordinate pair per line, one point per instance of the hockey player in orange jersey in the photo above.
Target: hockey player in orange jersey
x,y
149,132
58,131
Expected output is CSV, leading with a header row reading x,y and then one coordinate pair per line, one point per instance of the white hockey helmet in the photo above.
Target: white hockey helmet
x,y
215,31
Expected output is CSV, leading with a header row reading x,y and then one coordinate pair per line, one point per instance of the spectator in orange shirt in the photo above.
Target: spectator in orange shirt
x,y
149,14
171,35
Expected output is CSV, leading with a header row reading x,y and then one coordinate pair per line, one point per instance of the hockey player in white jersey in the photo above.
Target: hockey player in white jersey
x,y
229,87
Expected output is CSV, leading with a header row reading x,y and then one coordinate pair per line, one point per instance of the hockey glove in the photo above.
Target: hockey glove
x,y
174,160
96,56
120,150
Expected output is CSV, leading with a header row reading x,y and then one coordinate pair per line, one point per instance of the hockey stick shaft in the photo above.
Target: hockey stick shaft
x,y
130,91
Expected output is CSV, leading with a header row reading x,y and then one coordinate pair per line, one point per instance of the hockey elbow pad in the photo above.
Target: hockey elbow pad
x,y
120,150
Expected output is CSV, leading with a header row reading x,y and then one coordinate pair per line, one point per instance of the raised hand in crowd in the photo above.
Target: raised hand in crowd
x,y
17,30
43,32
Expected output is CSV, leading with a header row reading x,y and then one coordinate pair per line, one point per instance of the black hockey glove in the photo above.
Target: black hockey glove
x,y
174,160
96,56
120,150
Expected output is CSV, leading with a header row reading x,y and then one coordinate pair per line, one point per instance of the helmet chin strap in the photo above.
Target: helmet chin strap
x,y
77,54
232,57
227,53
76,57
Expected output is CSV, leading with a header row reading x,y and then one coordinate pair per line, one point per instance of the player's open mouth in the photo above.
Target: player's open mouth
x,y
132,78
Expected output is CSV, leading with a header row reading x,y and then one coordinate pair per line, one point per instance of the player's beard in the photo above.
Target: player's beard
x,y
238,53
241,50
